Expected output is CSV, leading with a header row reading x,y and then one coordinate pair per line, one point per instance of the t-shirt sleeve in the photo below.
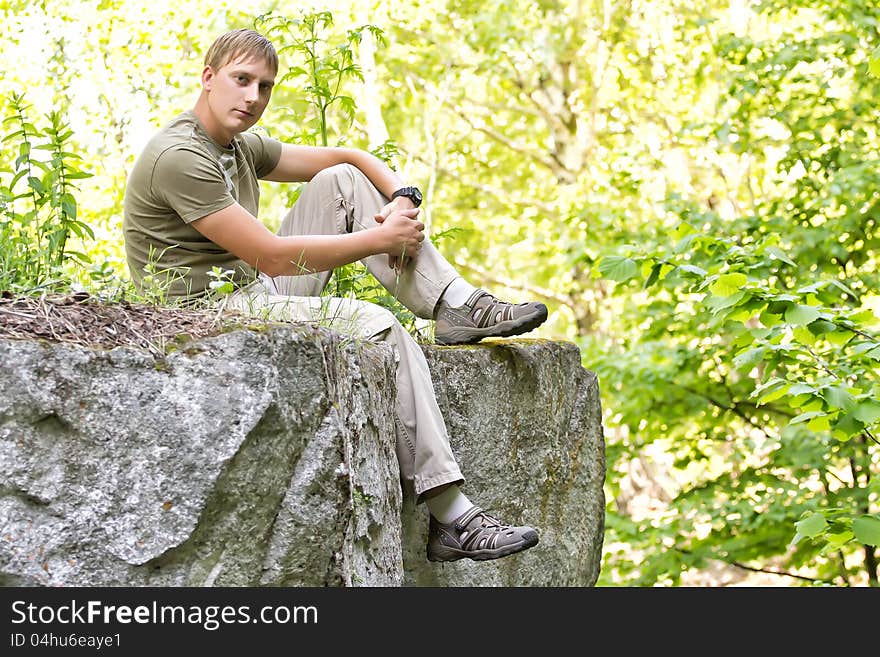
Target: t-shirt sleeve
x,y
190,183
266,152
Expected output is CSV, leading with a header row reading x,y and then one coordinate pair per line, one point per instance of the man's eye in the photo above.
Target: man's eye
x,y
241,78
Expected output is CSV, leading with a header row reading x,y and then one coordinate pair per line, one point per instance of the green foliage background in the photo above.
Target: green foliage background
x,y
692,187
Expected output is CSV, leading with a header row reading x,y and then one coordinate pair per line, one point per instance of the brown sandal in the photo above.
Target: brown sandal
x,y
477,535
484,316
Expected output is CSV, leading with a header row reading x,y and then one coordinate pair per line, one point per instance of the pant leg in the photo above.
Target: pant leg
x,y
422,443
341,199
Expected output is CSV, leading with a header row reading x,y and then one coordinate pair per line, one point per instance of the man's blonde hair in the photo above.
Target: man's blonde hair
x,y
241,43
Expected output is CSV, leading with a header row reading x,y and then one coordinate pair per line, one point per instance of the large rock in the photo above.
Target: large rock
x,y
267,458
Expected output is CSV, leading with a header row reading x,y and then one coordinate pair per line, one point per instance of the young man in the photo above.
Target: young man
x,y
191,205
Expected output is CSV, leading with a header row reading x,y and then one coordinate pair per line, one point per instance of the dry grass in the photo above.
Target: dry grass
x,y
87,321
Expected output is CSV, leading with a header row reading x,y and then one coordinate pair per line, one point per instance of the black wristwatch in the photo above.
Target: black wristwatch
x,y
412,193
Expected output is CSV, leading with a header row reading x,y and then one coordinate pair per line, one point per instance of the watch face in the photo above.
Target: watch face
x,y
412,193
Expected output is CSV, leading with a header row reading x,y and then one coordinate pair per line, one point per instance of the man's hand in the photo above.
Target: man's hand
x,y
404,207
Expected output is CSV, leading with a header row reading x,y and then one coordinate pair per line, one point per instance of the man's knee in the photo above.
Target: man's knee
x,y
343,177
373,321
338,175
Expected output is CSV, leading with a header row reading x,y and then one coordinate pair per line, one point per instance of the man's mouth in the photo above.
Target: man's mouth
x,y
243,113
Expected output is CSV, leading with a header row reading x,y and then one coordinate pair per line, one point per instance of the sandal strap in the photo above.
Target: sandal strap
x,y
484,538
464,521
476,295
486,535
490,313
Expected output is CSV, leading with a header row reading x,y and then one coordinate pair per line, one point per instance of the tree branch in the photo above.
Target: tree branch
x,y
779,573
742,566
732,407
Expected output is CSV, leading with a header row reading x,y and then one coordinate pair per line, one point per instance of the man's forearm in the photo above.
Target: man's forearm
x,y
306,254
302,163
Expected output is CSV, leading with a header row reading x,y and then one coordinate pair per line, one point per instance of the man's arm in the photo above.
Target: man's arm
x,y
302,163
239,232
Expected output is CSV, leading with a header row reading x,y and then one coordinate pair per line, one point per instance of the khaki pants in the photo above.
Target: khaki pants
x,y
340,200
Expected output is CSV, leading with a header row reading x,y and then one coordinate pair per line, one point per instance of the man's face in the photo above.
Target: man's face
x,y
237,95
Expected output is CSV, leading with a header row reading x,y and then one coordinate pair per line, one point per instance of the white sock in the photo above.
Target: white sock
x,y
448,505
457,292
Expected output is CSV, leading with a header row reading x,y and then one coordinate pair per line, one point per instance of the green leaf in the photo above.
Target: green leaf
x,y
748,359
771,390
817,404
821,326
812,525
839,338
69,209
728,284
847,427
874,63
618,268
863,317
36,184
769,319
806,417
838,397
836,541
693,269
804,336
800,389
801,315
867,411
771,384
80,228
654,276
780,255
741,315
866,529
720,303
844,288
773,395
784,298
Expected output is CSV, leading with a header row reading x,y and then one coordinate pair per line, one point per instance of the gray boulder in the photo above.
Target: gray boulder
x,y
266,458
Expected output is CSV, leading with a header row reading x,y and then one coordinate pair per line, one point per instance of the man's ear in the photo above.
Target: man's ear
x,y
207,78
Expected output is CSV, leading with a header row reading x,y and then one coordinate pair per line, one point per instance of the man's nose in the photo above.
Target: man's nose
x,y
252,93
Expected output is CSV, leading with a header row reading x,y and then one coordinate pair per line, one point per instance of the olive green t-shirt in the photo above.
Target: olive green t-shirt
x,y
183,175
